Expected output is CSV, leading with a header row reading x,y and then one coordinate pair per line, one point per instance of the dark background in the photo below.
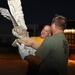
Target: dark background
x,y
42,11
36,12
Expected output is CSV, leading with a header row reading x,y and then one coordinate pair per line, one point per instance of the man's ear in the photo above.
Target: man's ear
x,y
50,34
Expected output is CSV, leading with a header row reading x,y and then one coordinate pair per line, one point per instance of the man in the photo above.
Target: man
x,y
24,51
52,55
44,33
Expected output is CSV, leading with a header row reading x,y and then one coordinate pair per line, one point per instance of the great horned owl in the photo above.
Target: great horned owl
x,y
19,32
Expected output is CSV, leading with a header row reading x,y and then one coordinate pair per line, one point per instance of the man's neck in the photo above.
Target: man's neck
x,y
58,31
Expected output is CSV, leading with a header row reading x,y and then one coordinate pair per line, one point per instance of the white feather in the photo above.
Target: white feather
x,y
16,11
5,12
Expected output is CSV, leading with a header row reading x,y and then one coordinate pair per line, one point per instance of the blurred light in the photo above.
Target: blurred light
x,y
69,31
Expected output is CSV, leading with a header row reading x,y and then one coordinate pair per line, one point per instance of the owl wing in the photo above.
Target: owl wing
x,y
16,11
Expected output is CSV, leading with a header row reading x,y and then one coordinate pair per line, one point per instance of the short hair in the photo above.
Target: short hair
x,y
60,21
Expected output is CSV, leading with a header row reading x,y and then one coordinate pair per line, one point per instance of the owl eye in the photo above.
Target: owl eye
x,y
14,29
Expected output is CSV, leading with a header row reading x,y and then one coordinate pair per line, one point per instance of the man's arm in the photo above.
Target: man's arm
x,y
29,42
34,61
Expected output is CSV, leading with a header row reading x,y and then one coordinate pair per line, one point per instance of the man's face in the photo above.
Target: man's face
x,y
45,32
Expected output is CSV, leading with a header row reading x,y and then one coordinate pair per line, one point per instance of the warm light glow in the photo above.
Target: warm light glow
x,y
71,62
69,31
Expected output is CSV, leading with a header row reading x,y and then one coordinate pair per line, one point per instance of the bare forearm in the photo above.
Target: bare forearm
x,y
29,42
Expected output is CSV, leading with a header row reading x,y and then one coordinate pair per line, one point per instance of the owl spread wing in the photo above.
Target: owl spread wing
x,y
17,17
16,11
5,13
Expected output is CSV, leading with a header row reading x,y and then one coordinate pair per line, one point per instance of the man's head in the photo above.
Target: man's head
x,y
58,24
45,31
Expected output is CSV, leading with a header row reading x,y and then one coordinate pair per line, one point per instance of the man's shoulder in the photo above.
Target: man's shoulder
x,y
36,37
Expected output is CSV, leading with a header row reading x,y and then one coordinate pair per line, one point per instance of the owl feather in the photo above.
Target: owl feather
x,y
16,11
5,13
